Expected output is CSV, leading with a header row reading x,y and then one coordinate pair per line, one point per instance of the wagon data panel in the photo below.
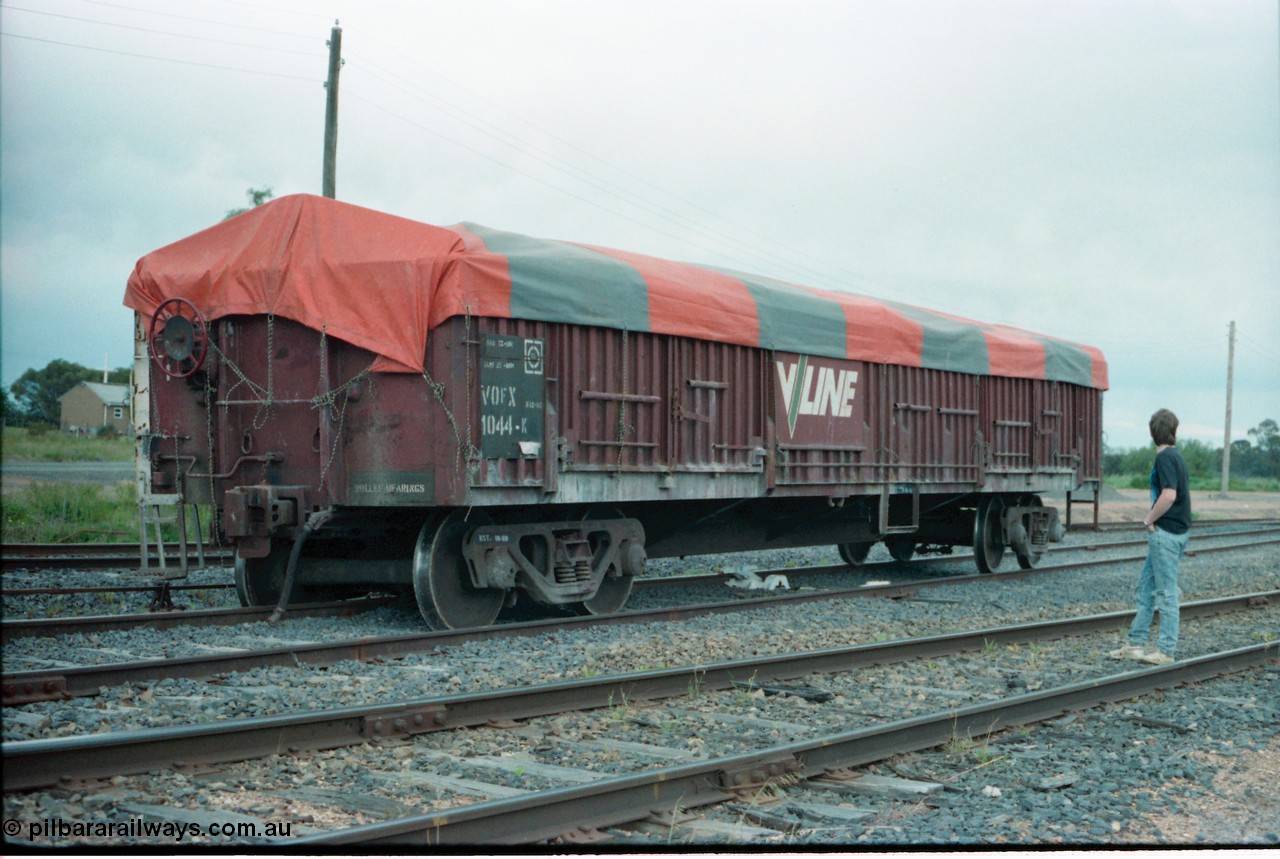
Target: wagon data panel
x,y
512,391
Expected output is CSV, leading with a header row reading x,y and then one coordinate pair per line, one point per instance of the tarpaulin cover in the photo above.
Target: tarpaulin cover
x,y
383,282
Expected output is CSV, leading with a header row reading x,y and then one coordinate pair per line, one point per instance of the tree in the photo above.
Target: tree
x,y
257,196
1266,436
36,392
7,411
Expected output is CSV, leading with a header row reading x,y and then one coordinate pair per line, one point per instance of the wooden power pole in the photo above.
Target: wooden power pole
x,y
331,112
1226,436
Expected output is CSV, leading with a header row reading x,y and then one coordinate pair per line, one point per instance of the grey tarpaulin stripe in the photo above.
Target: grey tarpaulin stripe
x,y
560,282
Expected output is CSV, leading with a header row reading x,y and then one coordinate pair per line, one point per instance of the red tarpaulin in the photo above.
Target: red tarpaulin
x,y
383,282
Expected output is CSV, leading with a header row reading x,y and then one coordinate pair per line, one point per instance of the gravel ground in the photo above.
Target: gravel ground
x,y
475,666
1117,775
1186,766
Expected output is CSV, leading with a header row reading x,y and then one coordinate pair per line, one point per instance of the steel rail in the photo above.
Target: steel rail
x,y
23,687
640,584
95,556
1198,523
30,764
896,566
168,585
628,798
51,626
44,556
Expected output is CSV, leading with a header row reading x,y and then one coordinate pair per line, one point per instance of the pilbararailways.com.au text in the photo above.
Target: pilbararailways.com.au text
x,y
56,829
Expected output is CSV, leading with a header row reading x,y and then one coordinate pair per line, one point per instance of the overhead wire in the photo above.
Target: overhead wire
x,y
837,283
199,20
252,4
348,92
1258,348
12,8
601,184
161,59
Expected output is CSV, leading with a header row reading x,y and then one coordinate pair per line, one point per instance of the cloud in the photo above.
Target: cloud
x,y
1100,172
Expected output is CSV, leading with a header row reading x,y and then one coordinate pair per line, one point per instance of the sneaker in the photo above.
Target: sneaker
x,y
1129,651
1156,657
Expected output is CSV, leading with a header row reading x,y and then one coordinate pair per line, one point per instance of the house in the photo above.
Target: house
x,y
90,406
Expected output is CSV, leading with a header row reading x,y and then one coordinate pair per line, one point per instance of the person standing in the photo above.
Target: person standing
x,y
1168,525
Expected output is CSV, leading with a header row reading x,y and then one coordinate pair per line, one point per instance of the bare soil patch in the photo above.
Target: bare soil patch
x,y
1130,505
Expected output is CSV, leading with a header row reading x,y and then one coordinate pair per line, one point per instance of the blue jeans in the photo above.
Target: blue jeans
x,y
1158,590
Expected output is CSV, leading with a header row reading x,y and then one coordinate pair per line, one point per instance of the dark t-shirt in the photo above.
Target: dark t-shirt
x,y
1170,469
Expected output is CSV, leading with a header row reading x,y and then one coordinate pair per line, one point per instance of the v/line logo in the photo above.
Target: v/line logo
x,y
826,392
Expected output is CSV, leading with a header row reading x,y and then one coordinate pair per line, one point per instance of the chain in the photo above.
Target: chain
x,y
437,390
464,450
263,414
209,393
328,400
471,451
622,404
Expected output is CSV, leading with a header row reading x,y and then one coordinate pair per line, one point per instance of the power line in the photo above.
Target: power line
x,y
1258,348
199,20
350,94
160,32
827,266
260,7
161,59
600,183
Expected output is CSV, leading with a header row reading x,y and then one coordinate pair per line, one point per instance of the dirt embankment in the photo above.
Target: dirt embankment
x,y
1130,505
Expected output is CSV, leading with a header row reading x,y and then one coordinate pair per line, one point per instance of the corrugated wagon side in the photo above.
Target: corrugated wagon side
x,y
566,412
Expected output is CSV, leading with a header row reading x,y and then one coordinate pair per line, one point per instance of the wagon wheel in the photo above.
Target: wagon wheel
x,y
854,554
614,591
611,596
1031,557
901,548
988,537
260,580
178,338
441,581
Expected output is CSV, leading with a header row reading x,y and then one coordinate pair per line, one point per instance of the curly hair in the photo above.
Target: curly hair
x,y
1164,427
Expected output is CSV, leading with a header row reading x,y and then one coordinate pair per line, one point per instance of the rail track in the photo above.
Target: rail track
x,y
825,761
609,798
113,556
40,684
45,763
93,556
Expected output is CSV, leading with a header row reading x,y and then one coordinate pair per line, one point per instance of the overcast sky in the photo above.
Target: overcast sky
x,y
1107,172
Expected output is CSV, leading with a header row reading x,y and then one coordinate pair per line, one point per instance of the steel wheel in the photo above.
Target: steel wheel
x,y
901,548
988,539
1028,559
260,580
854,554
441,582
610,597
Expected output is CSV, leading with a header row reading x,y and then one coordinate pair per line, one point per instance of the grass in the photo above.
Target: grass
x,y
32,445
79,513
1199,484
60,512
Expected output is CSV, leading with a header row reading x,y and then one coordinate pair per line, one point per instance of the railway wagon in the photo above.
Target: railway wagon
x,y
478,418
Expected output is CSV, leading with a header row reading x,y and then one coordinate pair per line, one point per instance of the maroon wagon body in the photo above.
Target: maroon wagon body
x,y
533,416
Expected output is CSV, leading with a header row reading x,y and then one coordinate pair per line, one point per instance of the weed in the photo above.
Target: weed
x,y
1035,651
43,445
620,711
67,512
742,692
